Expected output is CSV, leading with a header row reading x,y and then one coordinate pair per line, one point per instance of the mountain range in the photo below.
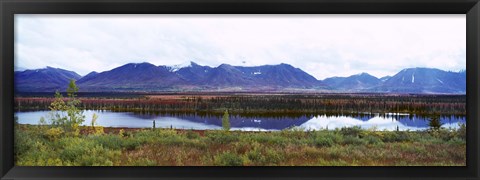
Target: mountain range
x,y
146,77
43,80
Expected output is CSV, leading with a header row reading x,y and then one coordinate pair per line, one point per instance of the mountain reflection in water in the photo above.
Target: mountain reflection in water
x,y
252,122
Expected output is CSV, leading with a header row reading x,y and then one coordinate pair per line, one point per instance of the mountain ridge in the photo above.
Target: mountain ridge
x,y
44,79
146,77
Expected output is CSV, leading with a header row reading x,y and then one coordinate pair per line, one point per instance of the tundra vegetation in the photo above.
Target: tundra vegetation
x,y
61,140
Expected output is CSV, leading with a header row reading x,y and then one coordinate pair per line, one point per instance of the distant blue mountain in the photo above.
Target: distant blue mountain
x,y
410,80
43,80
425,80
131,77
194,73
147,77
267,77
89,76
385,78
280,76
359,82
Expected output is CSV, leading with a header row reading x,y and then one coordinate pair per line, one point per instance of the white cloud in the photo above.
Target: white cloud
x,y
322,45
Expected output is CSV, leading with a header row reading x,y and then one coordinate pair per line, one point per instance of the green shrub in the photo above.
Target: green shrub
x,y
293,133
159,133
446,134
24,142
256,156
373,140
413,149
337,138
192,135
396,136
175,140
141,162
109,141
351,131
268,139
273,157
98,156
195,143
121,133
351,140
128,134
159,136
54,162
221,137
74,148
53,134
228,159
38,155
323,141
116,142
462,131
262,155
85,152
457,141
335,152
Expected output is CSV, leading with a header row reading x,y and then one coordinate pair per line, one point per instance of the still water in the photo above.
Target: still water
x,y
308,122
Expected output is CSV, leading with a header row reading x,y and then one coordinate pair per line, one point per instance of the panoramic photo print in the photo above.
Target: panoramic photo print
x,y
240,90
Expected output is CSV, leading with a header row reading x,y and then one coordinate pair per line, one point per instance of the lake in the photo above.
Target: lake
x,y
389,121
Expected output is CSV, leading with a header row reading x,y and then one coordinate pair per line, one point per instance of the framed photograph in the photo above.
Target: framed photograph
x,y
230,89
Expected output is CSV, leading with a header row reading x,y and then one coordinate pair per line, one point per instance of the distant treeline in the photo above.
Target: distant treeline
x,y
263,103
107,95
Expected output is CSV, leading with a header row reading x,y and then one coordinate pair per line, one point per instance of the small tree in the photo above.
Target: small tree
x,y
121,133
94,120
66,114
71,90
75,115
42,124
435,123
97,130
226,121
57,109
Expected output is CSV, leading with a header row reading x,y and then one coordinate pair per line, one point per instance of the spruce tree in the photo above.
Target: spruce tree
x,y
226,121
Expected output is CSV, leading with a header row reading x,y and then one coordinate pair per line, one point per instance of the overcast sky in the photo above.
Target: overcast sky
x,y
322,45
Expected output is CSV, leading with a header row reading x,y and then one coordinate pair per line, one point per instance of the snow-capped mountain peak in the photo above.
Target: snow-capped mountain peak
x,y
177,67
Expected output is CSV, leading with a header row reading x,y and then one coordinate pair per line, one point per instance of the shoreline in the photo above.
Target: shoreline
x,y
85,130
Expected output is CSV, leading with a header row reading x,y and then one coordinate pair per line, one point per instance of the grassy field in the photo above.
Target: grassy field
x,y
43,146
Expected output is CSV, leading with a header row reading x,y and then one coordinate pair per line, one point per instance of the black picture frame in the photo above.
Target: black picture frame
x,y
9,8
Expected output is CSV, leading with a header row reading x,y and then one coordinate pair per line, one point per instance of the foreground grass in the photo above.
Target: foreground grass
x,y
165,147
